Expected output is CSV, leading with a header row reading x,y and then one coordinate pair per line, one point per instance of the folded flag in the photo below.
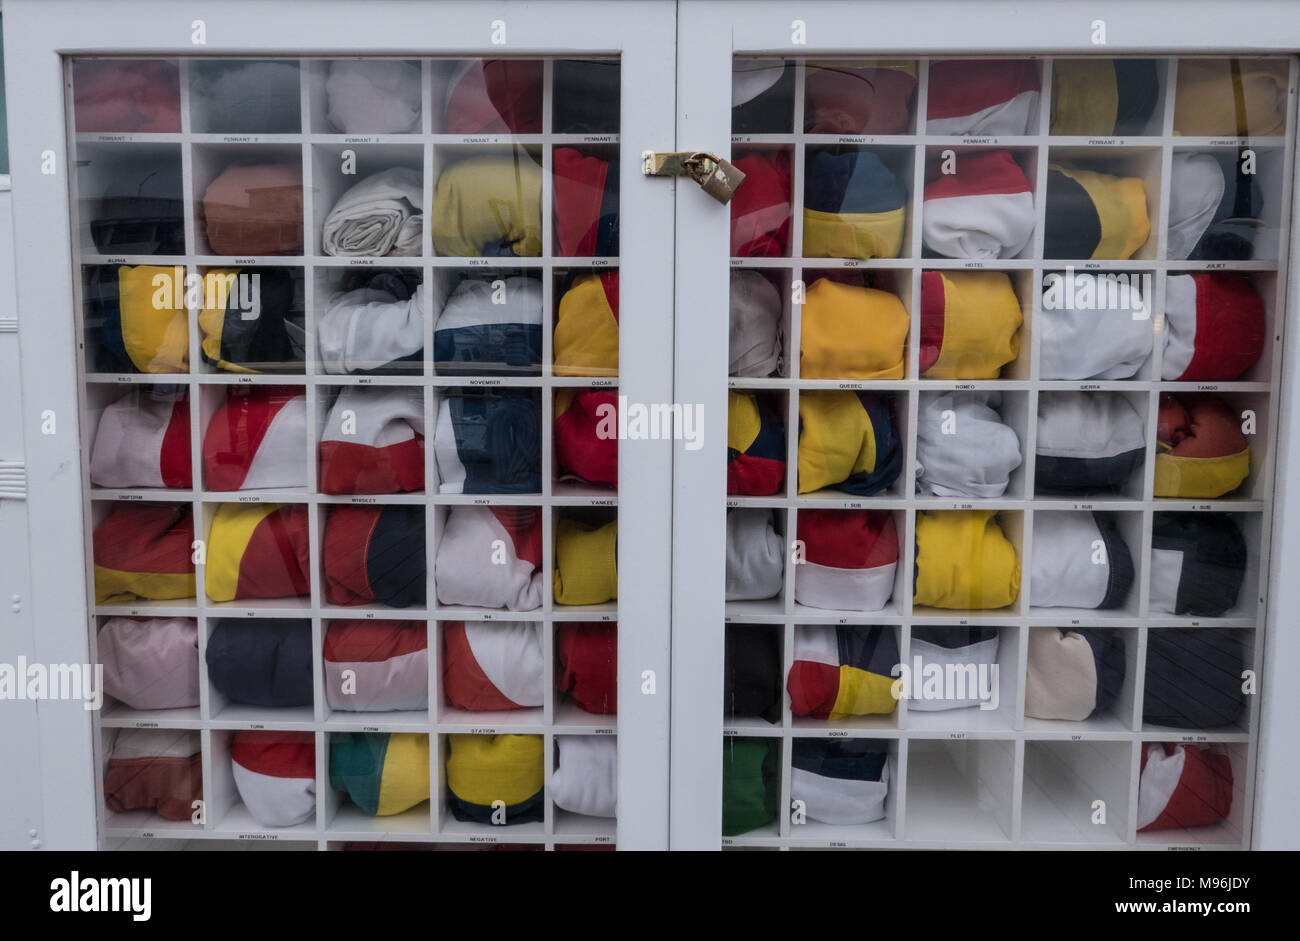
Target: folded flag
x,y
964,561
1201,453
489,442
247,328
960,652
490,665
760,210
1073,674
762,96
585,96
489,205
755,555
1104,97
843,98
1214,207
1194,679
261,662
384,773
587,655
755,334
254,209
585,779
983,97
141,96
849,331
141,210
586,203
586,435
380,215
375,328
139,324
495,779
275,774
849,561
1095,326
374,555
490,557
755,445
841,782
1080,561
963,448
143,440
1198,564
376,666
373,441
849,441
751,685
1214,327
151,663
1094,215
854,207
751,784
1231,97
1088,442
840,672
148,769
586,562
984,210
144,551
258,550
490,327
1183,786
586,327
245,96
257,438
970,324
373,96
495,96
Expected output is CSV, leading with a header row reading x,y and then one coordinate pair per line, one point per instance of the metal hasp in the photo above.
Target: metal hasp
x,y
718,177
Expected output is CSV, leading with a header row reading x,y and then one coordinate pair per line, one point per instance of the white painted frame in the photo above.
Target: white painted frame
x,y
39,33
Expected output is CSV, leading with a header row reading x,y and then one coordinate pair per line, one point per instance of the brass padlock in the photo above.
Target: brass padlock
x,y
717,177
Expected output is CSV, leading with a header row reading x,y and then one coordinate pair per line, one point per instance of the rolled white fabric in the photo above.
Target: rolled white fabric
x,y
755,560
972,455
585,780
464,569
1103,330
369,327
380,215
755,348
373,96
1196,189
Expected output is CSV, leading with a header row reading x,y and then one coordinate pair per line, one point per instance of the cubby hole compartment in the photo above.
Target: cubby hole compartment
x,y
831,579
1142,163
585,96
161,116
388,348
825,81
571,825
130,199
1197,73
585,435
1049,489
859,725
1024,286
1012,523
740,608
769,777
834,496
945,162
158,355
226,808
447,155
760,448
342,815
763,225
485,440
807,832
100,511
898,160
998,77
1012,408
957,676
586,216
1253,415
452,583
1128,291
483,322
337,168
1063,563
144,743
1256,219
472,830
755,678
348,587
757,292
118,712
268,550
895,281
496,664
316,74
1120,715
352,673
1267,368
268,461
1154,124
1196,677
590,703
590,553
1250,595
257,672
209,161
1076,792
245,96
1232,832
371,439
762,91
450,77
589,300
959,791
159,447
251,339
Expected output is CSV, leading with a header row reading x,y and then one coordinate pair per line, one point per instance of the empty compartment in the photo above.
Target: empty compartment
x,y
959,792
130,199
1076,792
